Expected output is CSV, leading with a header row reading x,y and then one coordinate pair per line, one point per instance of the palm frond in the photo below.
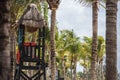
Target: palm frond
x,y
89,2
85,2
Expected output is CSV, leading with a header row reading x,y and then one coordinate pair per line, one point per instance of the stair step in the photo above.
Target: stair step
x,y
31,60
30,67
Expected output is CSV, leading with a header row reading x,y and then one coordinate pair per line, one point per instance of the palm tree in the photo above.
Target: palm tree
x,y
94,4
68,47
85,56
53,5
4,40
61,44
74,49
111,39
94,39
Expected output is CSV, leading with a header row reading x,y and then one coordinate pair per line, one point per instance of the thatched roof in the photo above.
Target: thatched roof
x,y
32,18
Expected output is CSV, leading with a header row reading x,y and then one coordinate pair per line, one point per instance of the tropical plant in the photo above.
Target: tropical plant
x,y
61,44
75,51
53,5
73,46
94,4
111,39
4,40
80,75
62,48
94,39
85,56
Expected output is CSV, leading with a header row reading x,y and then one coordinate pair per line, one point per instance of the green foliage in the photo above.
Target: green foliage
x,y
80,74
45,10
86,50
101,48
68,44
72,46
85,56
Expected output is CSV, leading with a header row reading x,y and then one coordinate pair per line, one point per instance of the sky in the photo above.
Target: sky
x,y
72,15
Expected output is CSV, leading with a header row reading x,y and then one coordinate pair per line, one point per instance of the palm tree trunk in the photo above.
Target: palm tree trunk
x,y
71,74
98,70
71,67
63,68
52,44
94,43
111,40
101,70
74,71
4,40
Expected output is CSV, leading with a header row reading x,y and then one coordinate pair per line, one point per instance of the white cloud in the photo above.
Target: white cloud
x,y
72,15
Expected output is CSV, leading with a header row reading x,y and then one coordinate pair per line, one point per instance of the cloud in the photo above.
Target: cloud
x,y
72,15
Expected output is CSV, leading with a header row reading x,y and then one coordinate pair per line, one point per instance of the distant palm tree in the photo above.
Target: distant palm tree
x,y
61,45
4,40
74,46
75,50
85,56
94,39
111,39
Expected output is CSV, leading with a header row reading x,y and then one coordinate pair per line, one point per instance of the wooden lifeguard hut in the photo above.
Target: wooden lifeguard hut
x,y
31,52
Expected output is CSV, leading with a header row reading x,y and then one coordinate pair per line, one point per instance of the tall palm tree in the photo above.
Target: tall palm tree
x,y
111,39
94,4
4,40
94,39
85,57
53,5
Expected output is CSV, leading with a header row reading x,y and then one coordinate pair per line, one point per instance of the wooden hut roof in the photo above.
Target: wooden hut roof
x,y
32,17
